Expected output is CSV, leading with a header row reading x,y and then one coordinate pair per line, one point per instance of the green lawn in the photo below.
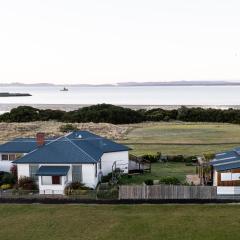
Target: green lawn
x,y
159,170
181,135
119,222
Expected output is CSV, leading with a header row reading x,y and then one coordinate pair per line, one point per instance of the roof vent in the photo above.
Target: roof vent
x,y
79,136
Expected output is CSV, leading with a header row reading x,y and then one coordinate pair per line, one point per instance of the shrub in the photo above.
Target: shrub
x,y
148,182
106,178
75,187
170,180
209,156
175,158
152,157
111,193
13,171
5,186
68,128
7,178
26,183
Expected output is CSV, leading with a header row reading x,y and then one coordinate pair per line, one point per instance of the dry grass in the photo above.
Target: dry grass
x,y
168,138
51,128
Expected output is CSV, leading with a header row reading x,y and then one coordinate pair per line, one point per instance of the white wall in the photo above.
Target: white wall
x,y
23,170
108,159
228,190
88,175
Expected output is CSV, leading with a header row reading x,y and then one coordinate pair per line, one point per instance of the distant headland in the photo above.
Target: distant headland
x,y
7,94
128,84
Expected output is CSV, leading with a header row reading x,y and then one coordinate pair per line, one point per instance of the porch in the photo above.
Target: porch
x,y
52,179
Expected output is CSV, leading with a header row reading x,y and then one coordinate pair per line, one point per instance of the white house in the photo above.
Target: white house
x,y
79,156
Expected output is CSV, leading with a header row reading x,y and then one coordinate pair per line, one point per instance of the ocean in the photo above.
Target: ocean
x,y
142,95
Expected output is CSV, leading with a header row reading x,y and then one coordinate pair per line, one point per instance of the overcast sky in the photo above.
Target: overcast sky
x,y
109,41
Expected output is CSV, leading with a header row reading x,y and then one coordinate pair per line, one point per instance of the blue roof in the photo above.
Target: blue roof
x,y
227,160
20,145
77,147
53,171
227,166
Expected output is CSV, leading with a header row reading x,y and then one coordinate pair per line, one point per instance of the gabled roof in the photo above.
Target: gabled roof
x,y
77,147
227,160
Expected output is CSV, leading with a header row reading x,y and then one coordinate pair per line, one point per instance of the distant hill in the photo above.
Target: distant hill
x,y
181,83
127,84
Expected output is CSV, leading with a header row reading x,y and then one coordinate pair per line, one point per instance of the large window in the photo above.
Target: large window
x,y
33,170
77,173
50,180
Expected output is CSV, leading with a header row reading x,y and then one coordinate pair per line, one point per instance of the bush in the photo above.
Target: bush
x,y
106,178
6,186
152,158
170,180
68,128
175,158
148,182
209,156
75,187
7,178
26,183
111,193
13,171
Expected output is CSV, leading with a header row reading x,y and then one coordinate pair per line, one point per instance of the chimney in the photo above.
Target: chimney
x,y
40,139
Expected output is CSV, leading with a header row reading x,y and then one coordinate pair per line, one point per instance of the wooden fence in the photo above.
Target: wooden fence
x,y
167,192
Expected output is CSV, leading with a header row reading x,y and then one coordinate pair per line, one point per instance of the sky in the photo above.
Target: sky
x,y
110,41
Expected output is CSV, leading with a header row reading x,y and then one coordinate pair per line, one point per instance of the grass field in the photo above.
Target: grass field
x,y
119,222
182,138
159,170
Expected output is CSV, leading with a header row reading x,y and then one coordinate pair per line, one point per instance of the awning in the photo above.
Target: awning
x,y
52,171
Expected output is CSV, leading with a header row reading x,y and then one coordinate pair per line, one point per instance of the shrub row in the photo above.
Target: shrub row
x,y
118,115
169,158
164,180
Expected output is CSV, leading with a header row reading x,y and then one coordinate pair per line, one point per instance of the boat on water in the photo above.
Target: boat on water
x,y
64,89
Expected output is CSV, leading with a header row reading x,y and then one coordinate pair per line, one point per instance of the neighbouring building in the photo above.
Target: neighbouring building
x,y
226,172
78,156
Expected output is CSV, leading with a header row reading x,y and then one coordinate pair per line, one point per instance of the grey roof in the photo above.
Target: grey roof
x,y
53,171
77,147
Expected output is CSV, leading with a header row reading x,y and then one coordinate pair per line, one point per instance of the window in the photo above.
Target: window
x,y
32,171
77,173
226,176
8,157
5,157
12,157
50,180
46,180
